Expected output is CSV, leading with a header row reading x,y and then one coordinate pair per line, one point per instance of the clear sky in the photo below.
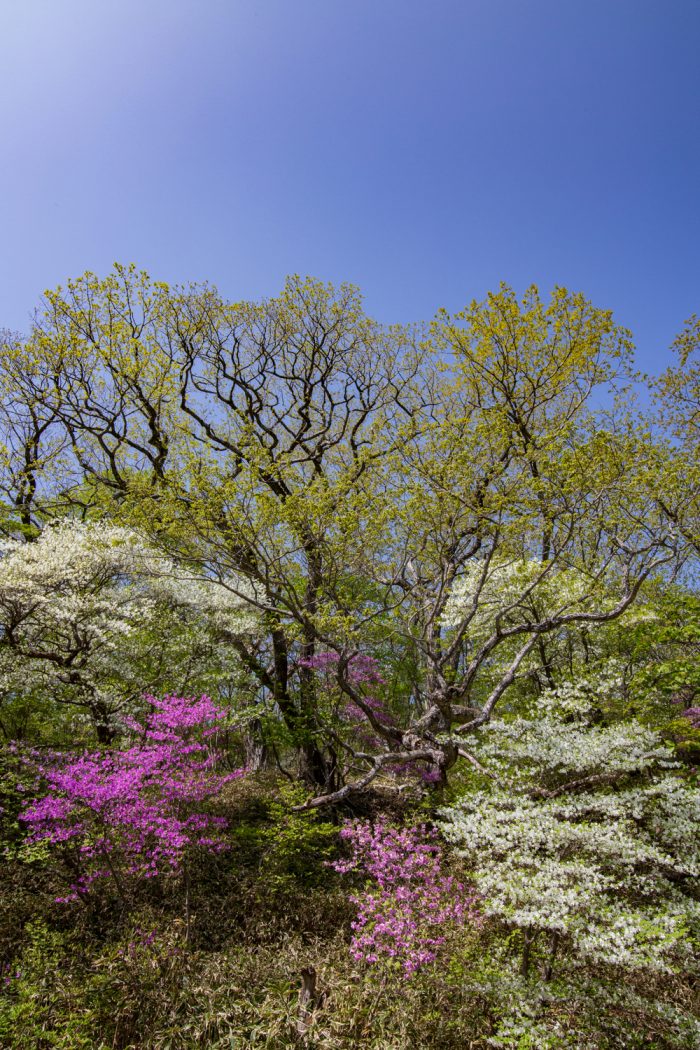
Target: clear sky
x,y
423,149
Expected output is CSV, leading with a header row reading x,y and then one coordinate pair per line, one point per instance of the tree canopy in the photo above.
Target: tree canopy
x,y
265,561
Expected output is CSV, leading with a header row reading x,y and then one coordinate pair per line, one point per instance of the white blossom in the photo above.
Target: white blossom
x,y
88,611
588,833
513,589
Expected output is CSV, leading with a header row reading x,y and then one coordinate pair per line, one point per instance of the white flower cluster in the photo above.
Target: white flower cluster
x,y
589,690
514,589
548,747
590,834
90,612
74,584
101,576
231,604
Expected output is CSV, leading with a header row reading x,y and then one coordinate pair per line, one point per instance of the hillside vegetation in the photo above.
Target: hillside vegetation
x,y
349,679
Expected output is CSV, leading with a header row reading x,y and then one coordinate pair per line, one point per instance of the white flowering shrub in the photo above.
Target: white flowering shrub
x,y
230,605
585,839
92,616
512,590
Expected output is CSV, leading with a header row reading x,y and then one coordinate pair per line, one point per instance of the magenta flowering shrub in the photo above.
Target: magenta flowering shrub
x,y
363,673
361,668
135,811
693,716
403,913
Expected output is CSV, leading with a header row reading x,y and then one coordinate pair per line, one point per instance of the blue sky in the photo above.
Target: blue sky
x,y
423,149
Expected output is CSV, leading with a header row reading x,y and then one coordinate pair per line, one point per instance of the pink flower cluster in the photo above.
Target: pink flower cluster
x,y
403,915
363,671
134,811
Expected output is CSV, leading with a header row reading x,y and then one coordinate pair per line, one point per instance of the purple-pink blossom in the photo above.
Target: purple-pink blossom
x,y
363,674
404,914
135,811
693,716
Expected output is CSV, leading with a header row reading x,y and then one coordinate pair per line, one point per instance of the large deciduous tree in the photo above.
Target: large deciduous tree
x,y
446,500
244,437
524,514
677,464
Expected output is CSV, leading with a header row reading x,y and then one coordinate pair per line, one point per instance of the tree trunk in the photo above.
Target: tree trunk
x,y
528,942
256,750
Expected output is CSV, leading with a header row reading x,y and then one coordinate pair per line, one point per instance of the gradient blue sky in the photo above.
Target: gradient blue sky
x,y
423,149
